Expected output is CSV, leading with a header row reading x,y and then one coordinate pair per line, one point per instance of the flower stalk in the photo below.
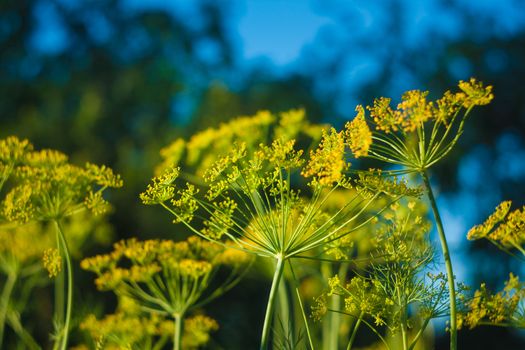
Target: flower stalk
x,y
265,337
4,303
178,331
448,261
354,331
62,243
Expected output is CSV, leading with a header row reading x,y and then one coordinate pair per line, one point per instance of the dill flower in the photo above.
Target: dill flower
x,y
414,110
384,117
319,309
504,308
166,277
48,193
418,133
197,331
13,150
504,228
202,149
358,134
476,93
327,163
251,201
123,330
52,261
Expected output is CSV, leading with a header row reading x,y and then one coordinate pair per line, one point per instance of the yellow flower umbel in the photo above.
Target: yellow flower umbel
x,y
415,136
202,149
505,308
503,228
252,198
43,186
418,133
166,277
358,134
327,164
128,328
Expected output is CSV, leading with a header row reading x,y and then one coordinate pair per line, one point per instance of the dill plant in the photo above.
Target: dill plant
x,y
167,278
415,136
249,198
44,187
395,291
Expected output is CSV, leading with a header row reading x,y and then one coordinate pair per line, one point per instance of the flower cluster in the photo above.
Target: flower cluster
x,y
362,295
120,329
504,228
52,261
197,331
166,276
373,181
504,308
327,163
418,133
203,148
45,186
358,134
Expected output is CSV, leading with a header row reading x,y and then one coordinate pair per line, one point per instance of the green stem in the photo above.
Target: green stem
x,y
13,319
6,296
63,243
60,287
303,314
177,335
448,262
271,303
419,334
284,308
404,336
326,270
335,318
354,331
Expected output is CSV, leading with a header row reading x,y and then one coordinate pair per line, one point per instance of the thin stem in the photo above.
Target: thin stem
x,y
63,243
13,319
335,318
404,335
6,296
419,334
354,331
271,303
177,334
335,322
284,308
448,261
303,314
326,270
59,285
385,343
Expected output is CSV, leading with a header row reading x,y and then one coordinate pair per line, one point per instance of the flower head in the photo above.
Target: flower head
x,y
358,134
165,275
327,163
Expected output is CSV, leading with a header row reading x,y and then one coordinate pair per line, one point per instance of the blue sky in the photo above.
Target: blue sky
x,y
276,29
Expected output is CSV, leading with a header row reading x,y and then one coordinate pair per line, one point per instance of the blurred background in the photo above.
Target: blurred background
x,y
114,81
